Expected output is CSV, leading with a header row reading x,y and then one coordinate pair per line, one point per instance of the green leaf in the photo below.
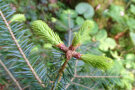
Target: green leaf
x,y
132,9
111,43
133,1
79,20
103,46
131,23
117,28
115,55
116,13
130,56
107,43
132,36
85,9
101,35
95,29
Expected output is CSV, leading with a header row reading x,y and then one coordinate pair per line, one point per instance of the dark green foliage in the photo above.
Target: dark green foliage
x,y
11,56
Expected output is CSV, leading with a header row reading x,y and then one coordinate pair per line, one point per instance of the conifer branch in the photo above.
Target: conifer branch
x,y
42,29
69,55
97,76
101,62
10,74
81,85
20,50
69,83
75,73
62,69
77,76
60,72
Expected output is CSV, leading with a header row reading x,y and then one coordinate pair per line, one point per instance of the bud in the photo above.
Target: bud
x,y
42,30
18,18
100,62
83,33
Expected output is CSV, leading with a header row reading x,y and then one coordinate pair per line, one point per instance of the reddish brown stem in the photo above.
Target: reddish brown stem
x,y
62,69
53,1
73,48
119,35
62,47
61,72
69,55
70,52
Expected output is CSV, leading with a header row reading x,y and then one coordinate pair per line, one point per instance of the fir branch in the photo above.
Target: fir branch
x,y
100,62
77,76
62,69
98,76
21,51
60,73
72,79
75,73
67,49
75,68
42,29
10,74
81,85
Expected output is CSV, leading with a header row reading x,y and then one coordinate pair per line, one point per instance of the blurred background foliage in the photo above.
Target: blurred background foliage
x,y
113,33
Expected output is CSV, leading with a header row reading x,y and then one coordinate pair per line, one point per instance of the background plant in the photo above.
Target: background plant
x,y
111,36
